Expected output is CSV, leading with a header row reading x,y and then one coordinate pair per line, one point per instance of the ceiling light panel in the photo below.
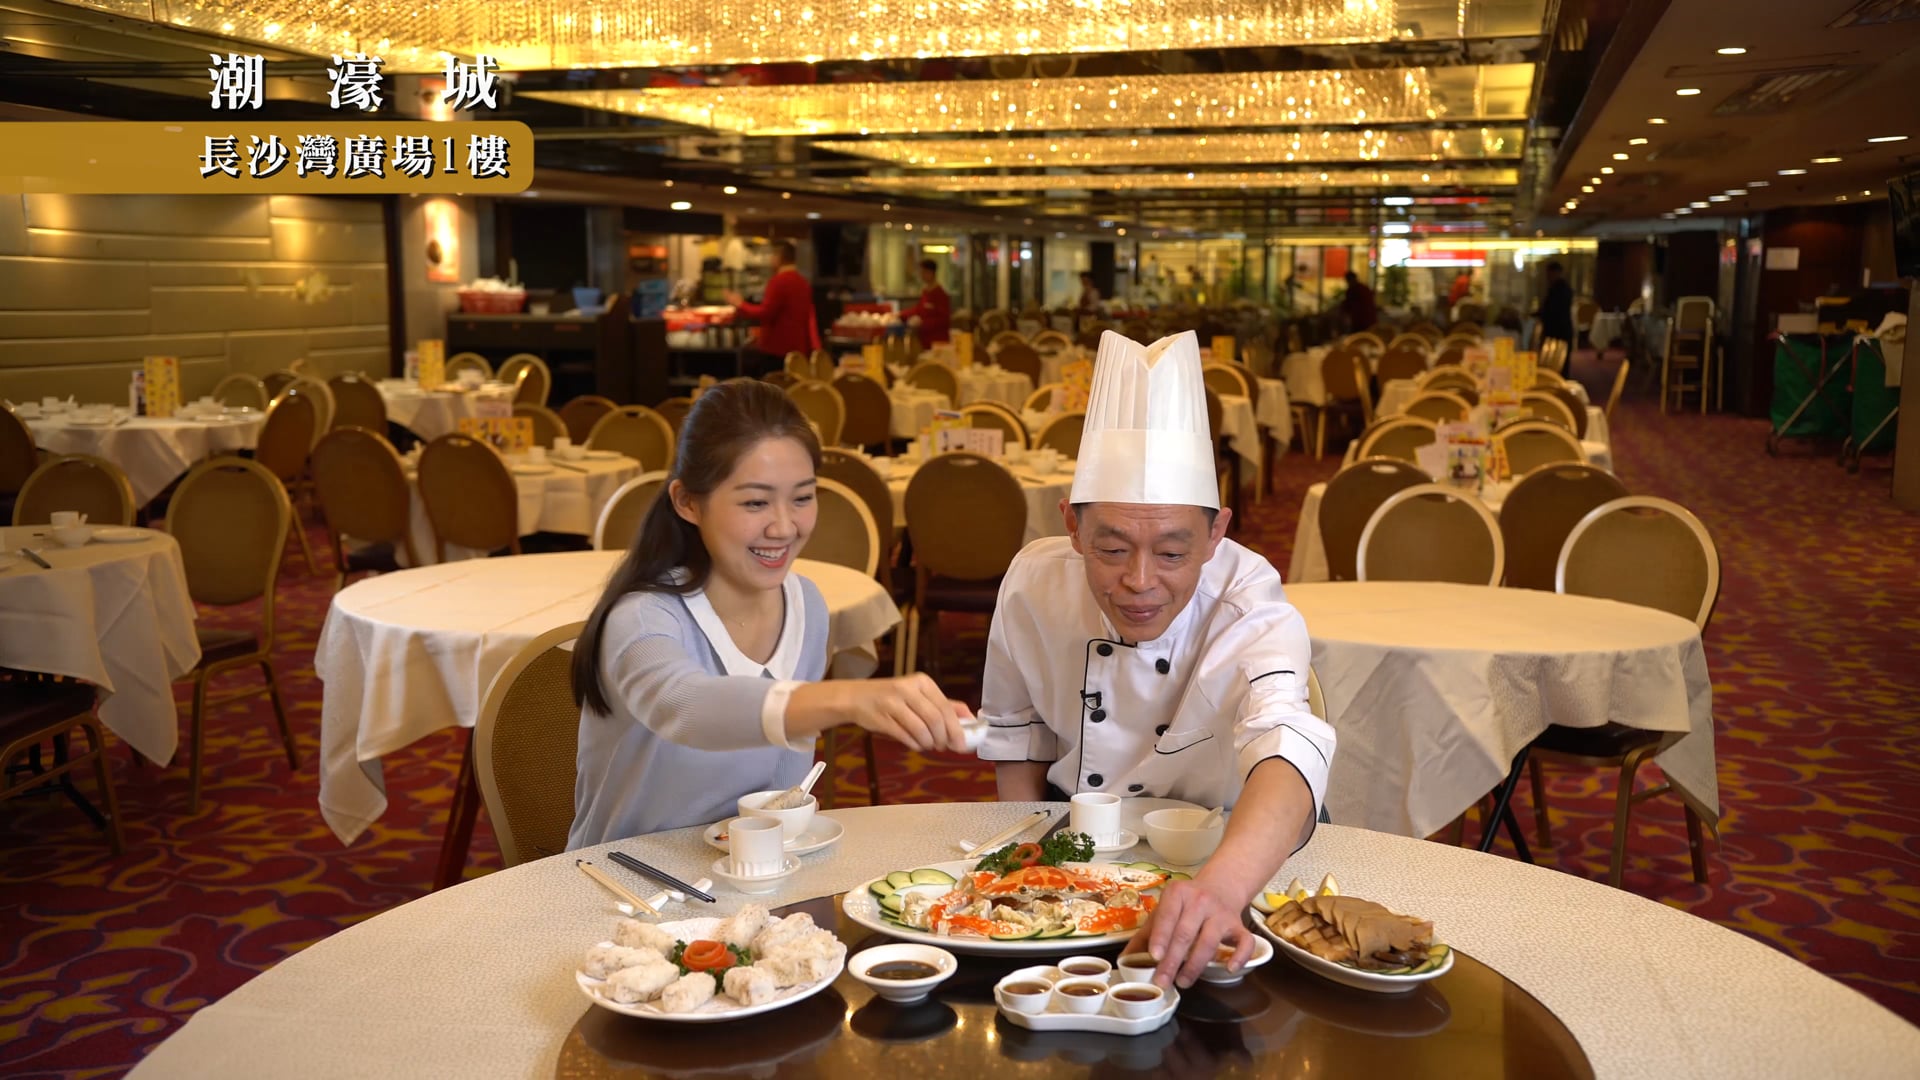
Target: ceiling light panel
x,y
1253,181
1230,149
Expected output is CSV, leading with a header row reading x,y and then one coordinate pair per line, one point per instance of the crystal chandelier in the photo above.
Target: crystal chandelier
x,y
1343,144
1252,181
1266,99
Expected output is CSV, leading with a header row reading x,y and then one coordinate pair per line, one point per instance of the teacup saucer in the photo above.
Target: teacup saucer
x,y
821,832
1122,840
754,886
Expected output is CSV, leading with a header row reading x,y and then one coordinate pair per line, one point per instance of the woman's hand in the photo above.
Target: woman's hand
x,y
909,710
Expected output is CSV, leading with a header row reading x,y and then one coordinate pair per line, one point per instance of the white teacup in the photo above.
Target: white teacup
x,y
537,455
49,403
61,519
755,847
1098,815
72,536
562,444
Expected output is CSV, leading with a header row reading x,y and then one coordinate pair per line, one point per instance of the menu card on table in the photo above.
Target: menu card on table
x,y
986,441
1223,349
1466,445
161,385
963,347
433,362
875,357
507,434
1077,379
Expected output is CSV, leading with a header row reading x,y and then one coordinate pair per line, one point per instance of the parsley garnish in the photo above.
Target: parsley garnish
x,y
1061,847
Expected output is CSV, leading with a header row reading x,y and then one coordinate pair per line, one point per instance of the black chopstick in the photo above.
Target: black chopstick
x,y
35,556
660,876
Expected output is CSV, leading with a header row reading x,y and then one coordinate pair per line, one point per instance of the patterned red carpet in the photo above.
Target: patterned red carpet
x,y
1811,650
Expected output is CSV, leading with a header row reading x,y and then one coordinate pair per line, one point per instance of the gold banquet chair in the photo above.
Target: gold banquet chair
x,y
1653,553
1397,437
35,711
674,411
1431,532
531,380
547,425
967,517
1352,496
869,412
995,416
844,532
626,508
1542,509
356,403
582,413
230,517
239,390
470,497
863,479
1531,444
286,441
467,361
931,375
820,403
1063,433
94,486
363,497
524,744
1439,406
639,433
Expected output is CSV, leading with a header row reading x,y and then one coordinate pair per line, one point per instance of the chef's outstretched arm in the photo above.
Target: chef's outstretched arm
x,y
1018,741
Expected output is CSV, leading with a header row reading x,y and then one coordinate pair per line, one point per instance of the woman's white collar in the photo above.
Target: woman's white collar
x,y
786,654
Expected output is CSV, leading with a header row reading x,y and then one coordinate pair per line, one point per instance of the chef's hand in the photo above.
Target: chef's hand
x,y
1188,927
910,710
734,299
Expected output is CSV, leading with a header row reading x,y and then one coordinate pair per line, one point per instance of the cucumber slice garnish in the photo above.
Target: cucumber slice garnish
x,y
899,879
1175,875
881,888
1018,935
930,877
1058,931
1145,866
893,902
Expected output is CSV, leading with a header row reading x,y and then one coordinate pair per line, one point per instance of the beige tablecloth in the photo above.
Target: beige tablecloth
x,y
114,615
152,452
433,413
1275,411
1010,388
1043,491
477,980
407,654
560,501
913,410
1434,688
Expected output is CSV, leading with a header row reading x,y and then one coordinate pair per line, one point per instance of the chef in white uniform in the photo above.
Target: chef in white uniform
x,y
1145,654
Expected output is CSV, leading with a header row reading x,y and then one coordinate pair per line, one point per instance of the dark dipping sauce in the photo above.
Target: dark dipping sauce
x,y
1135,995
903,970
1027,988
1081,991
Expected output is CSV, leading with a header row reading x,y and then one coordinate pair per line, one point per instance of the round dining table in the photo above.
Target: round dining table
x,y
433,413
1435,689
153,451
116,615
1555,976
407,654
553,496
1043,491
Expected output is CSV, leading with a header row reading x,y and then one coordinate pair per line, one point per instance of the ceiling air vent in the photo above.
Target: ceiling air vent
x,y
1878,12
1770,94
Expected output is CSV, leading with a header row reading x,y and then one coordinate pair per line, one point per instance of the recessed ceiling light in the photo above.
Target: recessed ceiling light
x,y
1793,172
813,215
1621,157
1736,191
786,194
1825,160
1759,183
1731,50
680,205
1841,198
666,183
1687,91
1587,188
730,190
1866,193
1606,170
886,206
1698,205
1683,210
1888,138
1597,180
1669,216
1717,198
1119,232
1656,119
1641,141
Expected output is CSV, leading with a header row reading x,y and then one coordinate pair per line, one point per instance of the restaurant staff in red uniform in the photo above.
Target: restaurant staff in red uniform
x,y
935,309
785,315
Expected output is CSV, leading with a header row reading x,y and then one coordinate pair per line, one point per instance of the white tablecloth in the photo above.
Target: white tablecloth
x,y
1648,991
1301,371
1010,388
1607,325
1242,434
913,410
152,452
1434,688
1051,364
404,655
561,501
433,413
1275,411
1043,491
114,615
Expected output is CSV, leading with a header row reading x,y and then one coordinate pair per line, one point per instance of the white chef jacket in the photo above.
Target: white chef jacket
x,y
1187,715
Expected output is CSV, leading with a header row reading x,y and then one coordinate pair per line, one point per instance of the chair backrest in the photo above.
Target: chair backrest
x,y
1404,360
1063,433
287,436
797,364
1553,355
1397,437
1619,387
1226,379
470,496
1426,330
94,486
993,322
468,361
626,508
1021,357
822,404
1352,496
524,745
1646,551
18,455
1541,510
1449,377
859,475
1439,406
1050,341
929,375
1006,337
1342,372
1547,380
1042,397
1367,342
638,432
1530,444
530,378
821,365
992,414
582,413
781,378
362,489
1575,407
239,388
1452,354
230,517
674,411
323,407
1545,405
1693,314
547,425
1584,311
276,381
869,411
844,532
967,517
1431,533
356,403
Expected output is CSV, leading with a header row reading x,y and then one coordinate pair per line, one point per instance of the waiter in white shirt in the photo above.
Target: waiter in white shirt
x,y
1145,655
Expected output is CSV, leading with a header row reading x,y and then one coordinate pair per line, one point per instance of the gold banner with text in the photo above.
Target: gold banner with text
x,y
241,157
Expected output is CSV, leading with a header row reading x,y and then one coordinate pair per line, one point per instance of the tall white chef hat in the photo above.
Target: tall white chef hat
x,y
1146,439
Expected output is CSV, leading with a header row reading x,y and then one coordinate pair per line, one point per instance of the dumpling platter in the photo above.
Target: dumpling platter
x,y
706,970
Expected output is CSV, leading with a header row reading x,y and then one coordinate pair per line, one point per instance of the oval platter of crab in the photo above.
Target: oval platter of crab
x,y
986,906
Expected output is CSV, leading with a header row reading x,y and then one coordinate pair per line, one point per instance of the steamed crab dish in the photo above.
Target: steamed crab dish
x,y
1037,901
